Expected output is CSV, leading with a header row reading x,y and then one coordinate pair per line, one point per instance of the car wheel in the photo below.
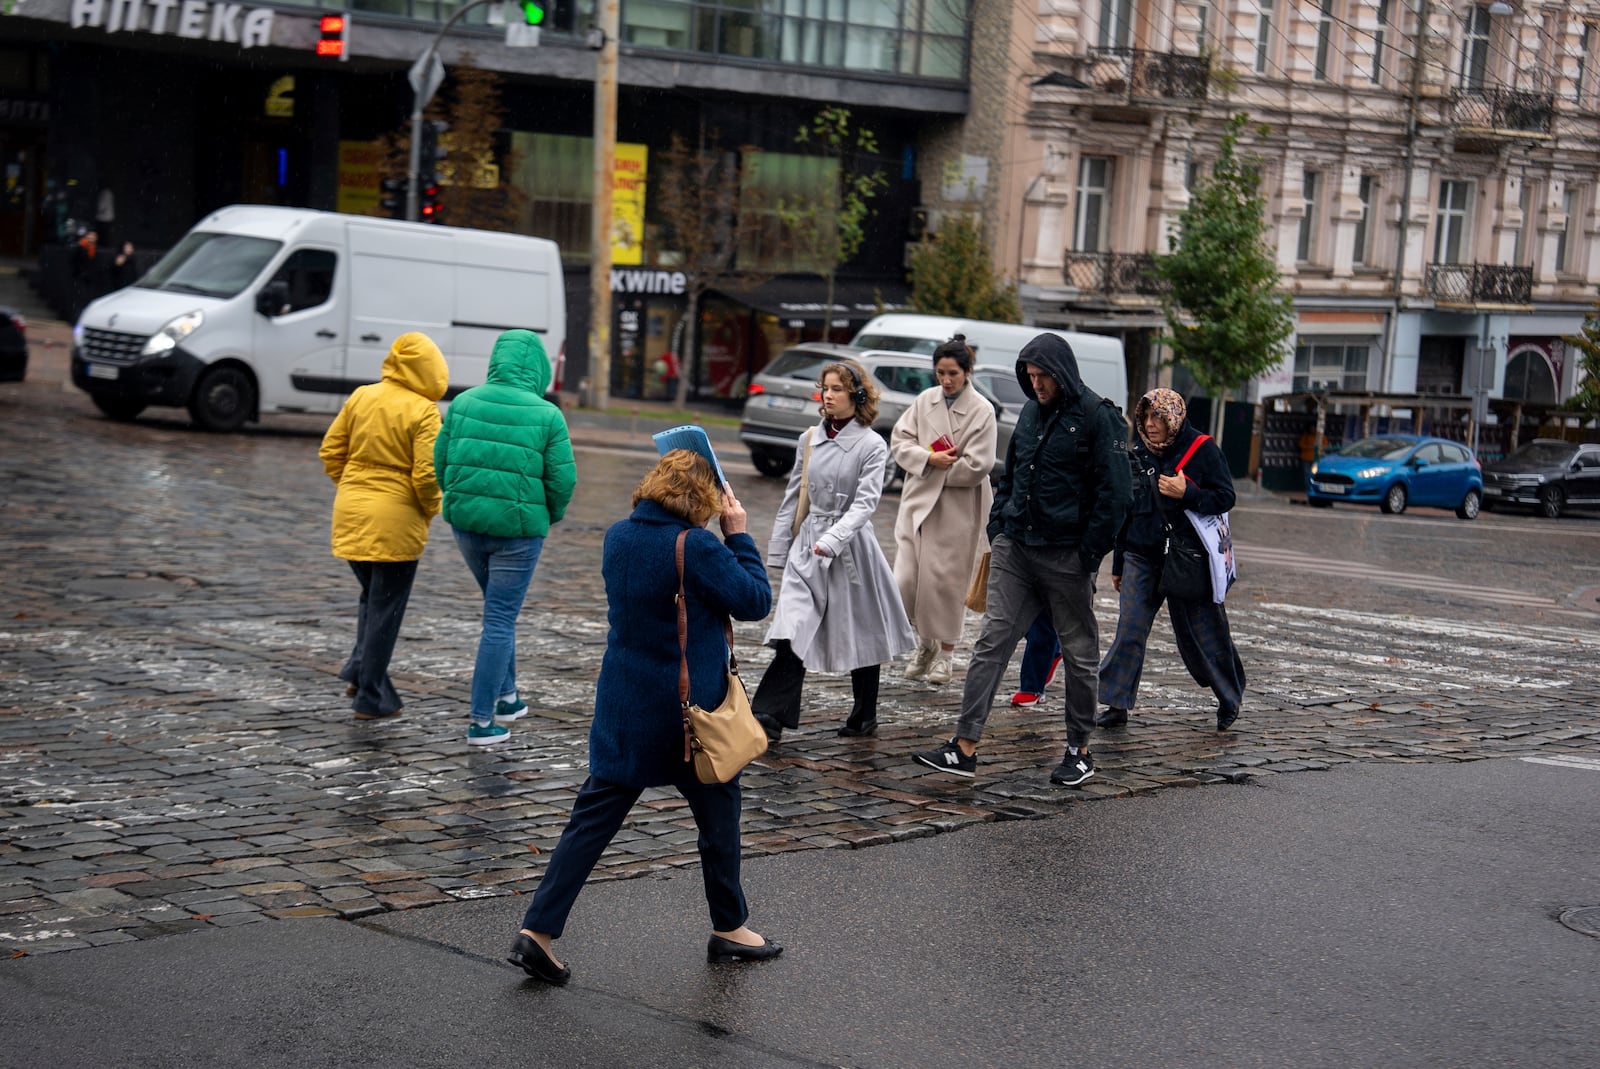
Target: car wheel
x,y
118,408
772,465
1394,502
1468,509
223,399
1552,501
1319,502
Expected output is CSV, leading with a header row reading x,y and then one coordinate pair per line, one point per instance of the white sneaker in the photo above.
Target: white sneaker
x,y
921,658
939,671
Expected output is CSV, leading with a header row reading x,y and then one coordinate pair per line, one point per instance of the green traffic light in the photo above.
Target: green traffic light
x,y
532,12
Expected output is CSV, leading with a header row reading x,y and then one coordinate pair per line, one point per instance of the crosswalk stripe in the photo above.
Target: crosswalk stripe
x,y
1356,570
1587,763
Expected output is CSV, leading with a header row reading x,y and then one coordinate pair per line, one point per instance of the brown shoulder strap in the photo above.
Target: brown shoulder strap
x,y
683,649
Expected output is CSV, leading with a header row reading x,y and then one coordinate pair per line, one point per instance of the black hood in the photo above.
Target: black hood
x,y
1054,355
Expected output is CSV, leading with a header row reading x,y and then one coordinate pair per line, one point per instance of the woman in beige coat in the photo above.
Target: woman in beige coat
x,y
945,443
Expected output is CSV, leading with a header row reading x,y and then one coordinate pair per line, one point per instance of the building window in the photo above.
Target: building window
x,y
1202,14
1116,23
1324,41
557,174
1583,64
1094,198
769,181
1307,245
1564,242
1450,241
1362,253
1330,365
1263,35
1191,173
1378,41
1475,48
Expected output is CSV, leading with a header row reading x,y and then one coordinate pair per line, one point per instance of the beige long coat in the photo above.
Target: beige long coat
x,y
939,534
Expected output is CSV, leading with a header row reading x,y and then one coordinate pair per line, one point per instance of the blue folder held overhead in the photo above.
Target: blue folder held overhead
x,y
692,438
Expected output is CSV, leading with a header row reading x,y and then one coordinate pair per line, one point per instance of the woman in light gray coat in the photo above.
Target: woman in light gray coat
x,y
838,607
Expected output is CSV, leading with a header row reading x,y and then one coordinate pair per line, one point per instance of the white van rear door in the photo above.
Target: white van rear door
x,y
299,342
401,280
503,282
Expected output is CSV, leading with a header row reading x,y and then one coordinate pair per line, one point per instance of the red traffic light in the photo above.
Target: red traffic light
x,y
331,41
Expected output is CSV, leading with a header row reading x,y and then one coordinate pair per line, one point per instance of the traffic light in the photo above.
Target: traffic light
x,y
393,200
428,177
334,32
533,12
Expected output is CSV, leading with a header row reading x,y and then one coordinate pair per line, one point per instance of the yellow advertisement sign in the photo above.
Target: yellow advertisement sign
x,y
360,172
628,183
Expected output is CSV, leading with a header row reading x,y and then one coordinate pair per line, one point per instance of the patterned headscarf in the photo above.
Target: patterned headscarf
x,y
1166,404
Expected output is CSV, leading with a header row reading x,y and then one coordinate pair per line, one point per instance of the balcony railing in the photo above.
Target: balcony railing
x,y
1114,273
1480,283
1140,74
1504,111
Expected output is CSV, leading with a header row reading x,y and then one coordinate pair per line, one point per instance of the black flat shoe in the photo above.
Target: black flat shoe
x,y
1112,719
773,729
1225,719
720,951
856,731
531,959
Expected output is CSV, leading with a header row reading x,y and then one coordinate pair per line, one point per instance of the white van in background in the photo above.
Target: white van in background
x,y
1100,359
263,309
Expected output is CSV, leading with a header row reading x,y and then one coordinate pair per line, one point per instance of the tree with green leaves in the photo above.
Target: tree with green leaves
x,y
1227,315
1587,344
827,229
953,275
698,202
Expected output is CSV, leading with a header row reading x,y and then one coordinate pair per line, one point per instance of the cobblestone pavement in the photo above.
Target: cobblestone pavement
x,y
176,750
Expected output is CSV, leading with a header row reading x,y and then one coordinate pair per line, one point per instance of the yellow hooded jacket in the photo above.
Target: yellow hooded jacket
x,y
379,452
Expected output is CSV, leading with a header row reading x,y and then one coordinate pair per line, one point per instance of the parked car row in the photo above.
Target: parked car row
x,y
1546,475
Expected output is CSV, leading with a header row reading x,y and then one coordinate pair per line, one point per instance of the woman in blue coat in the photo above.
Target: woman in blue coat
x,y
637,737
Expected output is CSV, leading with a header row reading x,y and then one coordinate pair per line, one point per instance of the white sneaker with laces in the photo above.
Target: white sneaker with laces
x,y
921,658
939,671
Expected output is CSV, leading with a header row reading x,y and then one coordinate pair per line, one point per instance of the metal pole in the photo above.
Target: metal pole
x,y
1424,10
605,149
418,102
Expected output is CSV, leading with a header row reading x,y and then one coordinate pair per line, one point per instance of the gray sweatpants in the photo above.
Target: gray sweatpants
x,y
1022,581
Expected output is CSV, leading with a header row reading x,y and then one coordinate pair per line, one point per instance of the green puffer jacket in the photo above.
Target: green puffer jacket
x,y
503,457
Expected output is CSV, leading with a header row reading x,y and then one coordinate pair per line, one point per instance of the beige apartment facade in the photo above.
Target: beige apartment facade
x,y
1431,170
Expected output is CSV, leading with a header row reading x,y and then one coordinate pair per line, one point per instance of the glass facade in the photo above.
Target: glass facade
x,y
915,38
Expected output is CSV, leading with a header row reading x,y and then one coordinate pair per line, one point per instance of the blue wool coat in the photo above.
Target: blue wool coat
x,y
637,736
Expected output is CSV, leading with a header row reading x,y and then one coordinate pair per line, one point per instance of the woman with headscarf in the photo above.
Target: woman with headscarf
x,y
1175,468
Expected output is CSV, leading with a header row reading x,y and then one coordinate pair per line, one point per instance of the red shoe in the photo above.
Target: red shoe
x,y
1024,697
1050,676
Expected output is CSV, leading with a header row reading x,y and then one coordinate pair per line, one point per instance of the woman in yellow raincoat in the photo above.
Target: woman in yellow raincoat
x,y
379,452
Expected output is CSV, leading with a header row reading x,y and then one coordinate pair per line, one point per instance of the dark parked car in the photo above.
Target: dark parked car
x,y
13,346
1394,470
1546,475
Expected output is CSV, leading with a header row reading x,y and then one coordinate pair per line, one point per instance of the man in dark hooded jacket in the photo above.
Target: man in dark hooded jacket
x,y
1066,489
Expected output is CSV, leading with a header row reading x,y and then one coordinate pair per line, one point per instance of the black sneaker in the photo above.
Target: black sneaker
x,y
949,758
1073,770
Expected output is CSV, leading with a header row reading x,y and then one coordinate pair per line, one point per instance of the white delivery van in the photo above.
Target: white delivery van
x,y
1100,359
262,309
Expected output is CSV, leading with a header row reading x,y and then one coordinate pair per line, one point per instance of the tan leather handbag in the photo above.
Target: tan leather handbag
x,y
978,591
718,742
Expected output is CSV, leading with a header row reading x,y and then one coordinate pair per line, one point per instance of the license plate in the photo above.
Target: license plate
x,y
788,404
1493,491
103,371
1329,488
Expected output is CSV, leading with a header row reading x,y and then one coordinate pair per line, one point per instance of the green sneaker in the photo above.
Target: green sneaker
x,y
505,712
487,734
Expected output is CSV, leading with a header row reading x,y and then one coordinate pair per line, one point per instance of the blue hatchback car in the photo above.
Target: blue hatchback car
x,y
1396,470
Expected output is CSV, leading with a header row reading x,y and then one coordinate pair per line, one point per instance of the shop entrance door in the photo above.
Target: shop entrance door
x,y
21,174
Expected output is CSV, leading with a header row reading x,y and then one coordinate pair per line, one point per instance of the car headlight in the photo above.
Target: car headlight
x,y
167,338
1371,473
77,333
1314,468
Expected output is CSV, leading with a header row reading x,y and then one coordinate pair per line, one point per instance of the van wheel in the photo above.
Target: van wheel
x,y
118,408
223,399
772,465
1468,509
1394,502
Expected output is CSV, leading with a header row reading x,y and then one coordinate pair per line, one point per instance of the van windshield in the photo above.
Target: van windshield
x,y
921,346
214,265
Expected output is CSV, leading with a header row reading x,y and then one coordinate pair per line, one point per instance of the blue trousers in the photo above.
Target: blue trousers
x,y
597,816
503,568
1200,629
1039,652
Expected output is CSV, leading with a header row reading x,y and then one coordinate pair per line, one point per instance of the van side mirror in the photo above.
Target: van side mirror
x,y
273,300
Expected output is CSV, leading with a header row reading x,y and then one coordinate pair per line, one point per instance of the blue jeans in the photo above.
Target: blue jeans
x,y
503,568
1039,654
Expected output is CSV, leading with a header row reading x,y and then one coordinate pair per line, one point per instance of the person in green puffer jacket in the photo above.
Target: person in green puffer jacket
x,y
504,462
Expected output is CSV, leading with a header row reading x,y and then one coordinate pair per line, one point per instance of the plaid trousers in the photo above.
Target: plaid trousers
x,y
1199,627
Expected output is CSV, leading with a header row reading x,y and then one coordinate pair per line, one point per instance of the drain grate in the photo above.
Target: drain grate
x,y
1585,919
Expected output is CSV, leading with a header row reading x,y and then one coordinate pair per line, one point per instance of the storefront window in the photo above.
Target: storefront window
x,y
557,174
1330,365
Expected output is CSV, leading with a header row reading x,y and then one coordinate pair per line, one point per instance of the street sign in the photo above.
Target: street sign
x,y
426,77
521,35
